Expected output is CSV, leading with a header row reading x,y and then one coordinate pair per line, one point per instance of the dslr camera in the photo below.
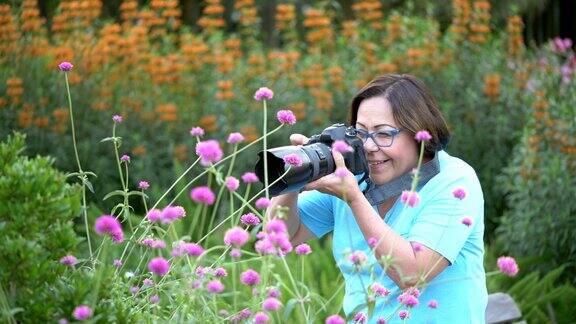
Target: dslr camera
x,y
317,160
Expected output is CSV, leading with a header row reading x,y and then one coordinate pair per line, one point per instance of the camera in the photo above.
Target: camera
x,y
317,160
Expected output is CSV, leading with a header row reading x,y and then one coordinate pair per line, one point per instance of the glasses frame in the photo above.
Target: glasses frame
x,y
366,134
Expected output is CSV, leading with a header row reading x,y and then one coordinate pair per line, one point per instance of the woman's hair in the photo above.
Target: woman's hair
x,y
413,107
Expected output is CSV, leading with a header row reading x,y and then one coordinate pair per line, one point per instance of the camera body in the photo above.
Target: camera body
x,y
317,160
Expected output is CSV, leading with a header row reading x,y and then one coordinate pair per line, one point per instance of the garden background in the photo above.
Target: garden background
x,y
507,88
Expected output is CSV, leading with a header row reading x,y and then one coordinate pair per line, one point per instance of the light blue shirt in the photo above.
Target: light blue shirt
x,y
436,222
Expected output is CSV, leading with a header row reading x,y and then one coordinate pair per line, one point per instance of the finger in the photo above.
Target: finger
x,y
298,139
338,159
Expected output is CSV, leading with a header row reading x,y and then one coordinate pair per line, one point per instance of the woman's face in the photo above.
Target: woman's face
x,y
386,163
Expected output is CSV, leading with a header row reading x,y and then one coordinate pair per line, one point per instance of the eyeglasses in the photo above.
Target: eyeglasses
x,y
382,138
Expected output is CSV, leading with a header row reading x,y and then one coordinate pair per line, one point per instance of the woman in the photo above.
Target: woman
x,y
430,253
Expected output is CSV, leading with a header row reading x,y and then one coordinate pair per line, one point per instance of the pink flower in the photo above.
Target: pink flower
x,y
260,318
235,253
125,158
143,185
262,203
154,215
134,290
341,172
209,152
117,119
303,249
372,242
191,249
249,177
250,219
381,320
358,257
148,282
236,236
379,290
416,247
293,160
65,66
360,318
107,224
433,304
459,193
276,226
215,286
117,263
220,272
408,299
410,197
271,304
341,147
335,319
172,213
466,221
159,266
423,136
263,94
404,314
197,131
273,292
250,277
203,195
232,183
286,117
82,313
68,260
507,265
154,299
235,138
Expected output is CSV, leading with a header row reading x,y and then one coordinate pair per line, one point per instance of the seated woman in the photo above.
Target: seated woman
x,y
417,256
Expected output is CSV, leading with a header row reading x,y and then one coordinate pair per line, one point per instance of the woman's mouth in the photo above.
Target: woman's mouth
x,y
374,163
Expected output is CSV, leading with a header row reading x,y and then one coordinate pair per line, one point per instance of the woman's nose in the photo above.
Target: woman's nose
x,y
370,146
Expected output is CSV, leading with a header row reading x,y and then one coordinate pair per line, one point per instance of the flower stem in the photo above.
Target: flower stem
x,y
264,151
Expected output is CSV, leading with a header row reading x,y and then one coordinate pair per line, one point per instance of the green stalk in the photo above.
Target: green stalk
x,y
265,155
296,290
84,206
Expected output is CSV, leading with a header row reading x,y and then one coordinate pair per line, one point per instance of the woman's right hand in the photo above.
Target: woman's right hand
x,y
298,139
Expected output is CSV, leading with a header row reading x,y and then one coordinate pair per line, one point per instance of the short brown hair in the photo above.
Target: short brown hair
x,y
413,107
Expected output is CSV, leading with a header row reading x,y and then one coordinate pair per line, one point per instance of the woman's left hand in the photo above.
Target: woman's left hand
x,y
344,185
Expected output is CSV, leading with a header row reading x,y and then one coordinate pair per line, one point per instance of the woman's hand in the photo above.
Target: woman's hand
x,y
344,185
298,139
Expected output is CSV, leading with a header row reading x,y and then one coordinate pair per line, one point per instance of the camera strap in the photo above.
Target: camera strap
x,y
377,194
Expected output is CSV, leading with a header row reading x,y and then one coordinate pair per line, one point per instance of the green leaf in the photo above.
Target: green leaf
x,y
289,308
114,193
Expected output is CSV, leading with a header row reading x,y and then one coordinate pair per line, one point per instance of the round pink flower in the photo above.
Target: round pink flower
x,y
276,226
68,260
148,282
143,185
404,314
209,152
459,193
232,183
293,160
410,197
271,304
117,119
159,266
203,195
273,292
372,241
360,318
381,320
261,318
250,277
379,290
107,224
303,249
341,147
235,253
154,299
341,172
197,131
433,304
416,247
286,117
215,286
263,94
117,263
250,219
408,300
190,249
236,236
65,66
235,138
335,319
249,177
467,221
358,257
172,213
134,290
262,203
422,136
154,215
125,158
507,265
220,272
82,313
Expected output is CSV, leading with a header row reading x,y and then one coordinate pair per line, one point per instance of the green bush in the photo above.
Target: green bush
x,y
37,209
